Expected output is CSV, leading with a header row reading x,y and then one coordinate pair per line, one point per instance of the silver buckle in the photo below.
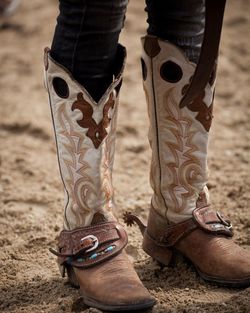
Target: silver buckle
x,y
95,242
224,222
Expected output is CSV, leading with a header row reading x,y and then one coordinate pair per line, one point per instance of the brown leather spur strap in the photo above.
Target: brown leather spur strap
x,y
209,51
88,246
205,219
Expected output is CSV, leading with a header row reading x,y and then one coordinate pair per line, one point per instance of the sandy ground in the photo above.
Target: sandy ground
x,y
31,196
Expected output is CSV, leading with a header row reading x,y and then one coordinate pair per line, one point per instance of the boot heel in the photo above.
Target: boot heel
x,y
72,277
160,254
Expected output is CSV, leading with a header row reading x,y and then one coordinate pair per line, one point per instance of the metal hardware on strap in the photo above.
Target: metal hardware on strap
x,y
209,51
95,242
224,222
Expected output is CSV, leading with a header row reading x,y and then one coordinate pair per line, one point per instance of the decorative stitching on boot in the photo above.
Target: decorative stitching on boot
x,y
186,168
80,187
86,171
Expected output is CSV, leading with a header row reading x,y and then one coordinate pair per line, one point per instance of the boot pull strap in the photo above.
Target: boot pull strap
x,y
209,50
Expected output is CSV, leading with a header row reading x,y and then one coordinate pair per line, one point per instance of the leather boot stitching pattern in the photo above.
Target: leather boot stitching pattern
x,y
79,184
186,170
108,158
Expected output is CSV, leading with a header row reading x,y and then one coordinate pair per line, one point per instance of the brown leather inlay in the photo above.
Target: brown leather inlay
x,y
171,72
99,218
151,46
205,113
96,132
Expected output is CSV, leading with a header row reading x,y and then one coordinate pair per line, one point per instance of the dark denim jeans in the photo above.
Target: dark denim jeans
x,y
87,34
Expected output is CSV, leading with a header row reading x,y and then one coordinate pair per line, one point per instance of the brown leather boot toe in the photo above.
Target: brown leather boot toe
x,y
205,240
114,285
217,259
96,263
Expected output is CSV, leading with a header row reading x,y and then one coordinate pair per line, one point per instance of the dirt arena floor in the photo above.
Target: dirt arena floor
x,y
31,195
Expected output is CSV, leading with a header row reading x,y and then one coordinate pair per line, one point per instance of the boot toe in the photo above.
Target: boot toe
x,y
114,285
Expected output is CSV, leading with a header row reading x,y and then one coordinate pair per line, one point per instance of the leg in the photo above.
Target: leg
x,y
86,44
180,22
181,217
91,248
86,41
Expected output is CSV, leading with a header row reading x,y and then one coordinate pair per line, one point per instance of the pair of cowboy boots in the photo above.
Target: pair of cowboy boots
x,y
91,246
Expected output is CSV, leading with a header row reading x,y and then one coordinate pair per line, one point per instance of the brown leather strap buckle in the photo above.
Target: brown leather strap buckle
x,y
203,218
95,242
88,246
212,221
227,223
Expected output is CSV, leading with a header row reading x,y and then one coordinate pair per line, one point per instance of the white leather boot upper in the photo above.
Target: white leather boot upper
x,y
178,136
85,133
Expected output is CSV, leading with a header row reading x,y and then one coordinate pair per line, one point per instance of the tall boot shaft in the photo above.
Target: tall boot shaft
x,y
178,135
85,134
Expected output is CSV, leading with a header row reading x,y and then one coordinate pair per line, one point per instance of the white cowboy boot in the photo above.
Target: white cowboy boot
x,y
180,217
91,248
85,134
178,136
